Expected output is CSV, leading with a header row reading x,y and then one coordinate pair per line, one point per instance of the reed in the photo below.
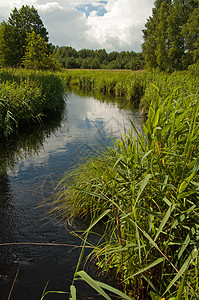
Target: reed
x,y
26,97
150,185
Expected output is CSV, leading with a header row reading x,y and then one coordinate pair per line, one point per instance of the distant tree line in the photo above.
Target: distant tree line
x,y
171,35
171,42
69,58
24,42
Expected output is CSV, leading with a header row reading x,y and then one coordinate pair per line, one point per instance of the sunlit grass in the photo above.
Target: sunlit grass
x,y
26,97
150,185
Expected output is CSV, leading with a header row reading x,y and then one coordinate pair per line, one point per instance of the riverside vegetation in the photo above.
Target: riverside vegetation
x,y
26,97
144,190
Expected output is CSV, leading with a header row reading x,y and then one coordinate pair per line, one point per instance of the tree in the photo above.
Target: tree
x,y
26,20
171,35
9,50
191,34
36,55
95,64
149,45
13,34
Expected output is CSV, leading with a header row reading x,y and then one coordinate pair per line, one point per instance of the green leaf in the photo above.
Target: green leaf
x,y
155,296
181,287
153,264
146,154
113,290
184,267
156,118
143,184
150,283
164,221
93,284
73,292
98,219
185,183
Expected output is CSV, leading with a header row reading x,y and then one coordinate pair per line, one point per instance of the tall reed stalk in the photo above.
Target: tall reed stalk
x,y
150,185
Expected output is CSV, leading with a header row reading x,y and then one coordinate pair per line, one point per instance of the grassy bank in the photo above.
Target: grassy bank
x,y
150,186
26,97
127,84
138,87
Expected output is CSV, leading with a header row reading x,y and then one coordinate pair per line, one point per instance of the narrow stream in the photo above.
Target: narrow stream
x,y
31,167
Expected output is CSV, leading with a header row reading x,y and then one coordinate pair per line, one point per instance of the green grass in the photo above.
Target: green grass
x,y
26,97
150,185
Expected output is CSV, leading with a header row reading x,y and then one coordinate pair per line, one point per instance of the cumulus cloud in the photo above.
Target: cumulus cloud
x,y
49,7
116,26
121,27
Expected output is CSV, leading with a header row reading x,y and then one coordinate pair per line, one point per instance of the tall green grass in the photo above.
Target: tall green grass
x,y
150,185
126,84
26,97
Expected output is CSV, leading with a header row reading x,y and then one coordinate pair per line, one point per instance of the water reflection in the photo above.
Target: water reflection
x,y
103,97
31,166
27,142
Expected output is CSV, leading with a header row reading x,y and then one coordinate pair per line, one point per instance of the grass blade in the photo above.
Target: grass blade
x,y
184,267
113,290
153,264
93,284
73,292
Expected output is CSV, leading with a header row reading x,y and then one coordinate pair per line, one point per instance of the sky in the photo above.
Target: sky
x,y
114,25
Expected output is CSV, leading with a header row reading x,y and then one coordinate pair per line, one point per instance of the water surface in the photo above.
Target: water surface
x,y
31,166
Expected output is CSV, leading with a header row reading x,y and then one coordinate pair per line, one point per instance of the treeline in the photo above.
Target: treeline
x,y
171,35
24,32
171,42
69,58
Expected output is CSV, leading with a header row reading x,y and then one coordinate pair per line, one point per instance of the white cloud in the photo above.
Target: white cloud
x,y
49,7
120,28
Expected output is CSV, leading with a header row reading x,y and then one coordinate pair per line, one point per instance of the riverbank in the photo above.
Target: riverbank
x,y
150,185
138,87
26,97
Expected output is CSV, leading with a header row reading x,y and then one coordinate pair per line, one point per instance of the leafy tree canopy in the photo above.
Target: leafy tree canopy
x,y
26,20
69,58
13,34
36,55
171,35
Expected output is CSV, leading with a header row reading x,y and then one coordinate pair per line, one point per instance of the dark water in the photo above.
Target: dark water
x,y
31,166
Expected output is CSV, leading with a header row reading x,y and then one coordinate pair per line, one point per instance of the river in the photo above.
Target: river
x,y
31,167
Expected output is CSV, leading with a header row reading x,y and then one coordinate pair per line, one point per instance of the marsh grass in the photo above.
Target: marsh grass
x,y
26,97
150,185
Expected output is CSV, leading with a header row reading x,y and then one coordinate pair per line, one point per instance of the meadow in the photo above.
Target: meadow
x,y
144,191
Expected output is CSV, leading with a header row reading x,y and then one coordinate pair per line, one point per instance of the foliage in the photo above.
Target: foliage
x,y
171,35
130,85
36,56
9,40
150,185
69,58
13,34
26,97
191,33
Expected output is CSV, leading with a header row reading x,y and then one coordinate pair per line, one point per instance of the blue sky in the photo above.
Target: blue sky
x,y
87,8
114,25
